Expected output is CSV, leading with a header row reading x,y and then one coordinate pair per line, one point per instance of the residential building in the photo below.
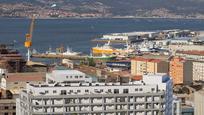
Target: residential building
x,y
17,81
199,102
151,96
141,66
68,76
198,71
7,107
180,70
7,103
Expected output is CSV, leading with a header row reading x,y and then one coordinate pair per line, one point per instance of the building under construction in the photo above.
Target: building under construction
x,y
11,59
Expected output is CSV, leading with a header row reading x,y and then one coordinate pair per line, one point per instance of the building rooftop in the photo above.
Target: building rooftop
x,y
32,76
70,72
146,59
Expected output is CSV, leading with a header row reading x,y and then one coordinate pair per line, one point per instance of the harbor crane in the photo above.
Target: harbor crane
x,y
28,41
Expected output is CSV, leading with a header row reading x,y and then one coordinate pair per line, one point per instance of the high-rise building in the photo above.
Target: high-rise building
x,y
180,70
199,102
141,66
151,96
198,71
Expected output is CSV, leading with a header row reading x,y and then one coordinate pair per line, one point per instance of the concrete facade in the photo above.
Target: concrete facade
x,y
199,102
68,76
198,71
152,95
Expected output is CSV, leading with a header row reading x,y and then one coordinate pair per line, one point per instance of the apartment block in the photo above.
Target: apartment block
x,y
199,102
198,71
141,66
181,70
150,96
17,81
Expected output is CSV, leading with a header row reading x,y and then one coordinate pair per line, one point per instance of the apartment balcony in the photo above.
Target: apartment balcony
x,y
58,109
37,109
110,107
60,101
97,108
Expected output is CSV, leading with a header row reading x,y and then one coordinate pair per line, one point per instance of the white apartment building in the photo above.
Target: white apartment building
x,y
198,71
68,76
151,96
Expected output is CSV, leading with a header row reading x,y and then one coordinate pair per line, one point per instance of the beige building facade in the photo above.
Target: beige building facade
x,y
141,66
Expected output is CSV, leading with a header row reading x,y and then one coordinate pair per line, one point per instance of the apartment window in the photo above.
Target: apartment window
x,y
153,89
140,89
63,92
125,91
14,107
14,113
54,91
6,107
109,90
86,90
78,90
5,113
67,76
136,89
116,91
71,91
81,76
76,76
15,82
46,91
70,76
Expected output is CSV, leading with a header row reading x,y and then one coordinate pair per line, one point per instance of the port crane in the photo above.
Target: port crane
x,y
28,41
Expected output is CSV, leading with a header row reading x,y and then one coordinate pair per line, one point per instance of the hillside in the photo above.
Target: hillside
x,y
138,8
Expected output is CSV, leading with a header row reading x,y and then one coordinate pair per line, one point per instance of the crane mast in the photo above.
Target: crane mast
x,y
28,41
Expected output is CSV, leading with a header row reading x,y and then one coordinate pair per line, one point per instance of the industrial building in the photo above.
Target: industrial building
x,y
68,76
152,95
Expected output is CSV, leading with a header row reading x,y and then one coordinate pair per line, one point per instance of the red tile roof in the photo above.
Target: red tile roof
x,y
33,76
147,60
192,52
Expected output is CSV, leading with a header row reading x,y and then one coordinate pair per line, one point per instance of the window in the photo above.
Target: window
x,y
6,107
46,91
136,89
63,92
5,113
54,91
70,76
76,76
153,89
14,113
125,91
67,76
78,90
15,82
109,90
86,90
81,76
14,107
116,91
140,89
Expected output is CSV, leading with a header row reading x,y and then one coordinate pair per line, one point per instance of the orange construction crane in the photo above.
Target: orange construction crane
x,y
28,42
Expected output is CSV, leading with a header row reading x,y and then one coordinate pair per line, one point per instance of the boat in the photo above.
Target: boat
x,y
103,57
105,49
70,52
